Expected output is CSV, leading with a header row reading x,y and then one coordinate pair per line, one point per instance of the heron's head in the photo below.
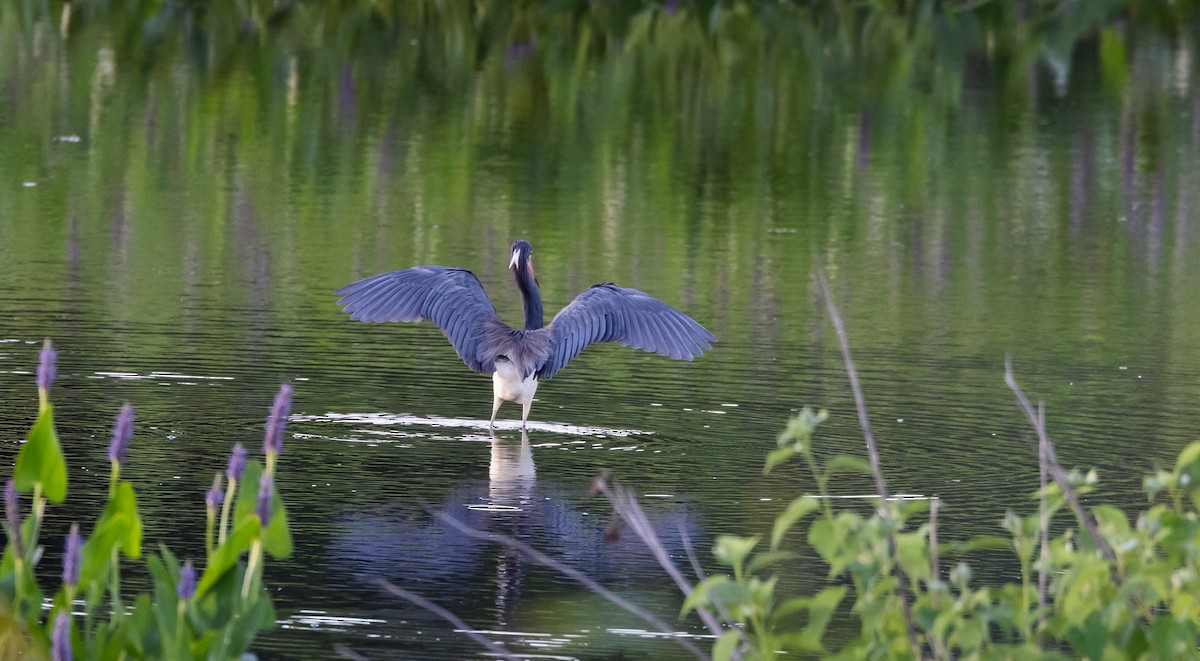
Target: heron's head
x,y
520,262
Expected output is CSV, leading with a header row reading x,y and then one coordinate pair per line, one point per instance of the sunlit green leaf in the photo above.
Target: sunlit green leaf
x,y
278,537
700,596
795,511
844,463
763,560
724,647
40,460
778,456
226,555
733,550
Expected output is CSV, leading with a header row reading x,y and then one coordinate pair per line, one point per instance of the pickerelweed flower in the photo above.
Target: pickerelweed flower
x,y
273,441
263,507
47,369
237,463
72,559
187,582
60,640
122,432
12,514
214,496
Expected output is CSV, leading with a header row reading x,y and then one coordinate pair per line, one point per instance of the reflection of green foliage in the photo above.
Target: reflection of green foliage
x,y
1141,604
217,619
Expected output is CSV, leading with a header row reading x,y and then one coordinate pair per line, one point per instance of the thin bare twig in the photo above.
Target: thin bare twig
x,y
575,575
691,554
1058,474
1043,524
446,615
873,455
631,512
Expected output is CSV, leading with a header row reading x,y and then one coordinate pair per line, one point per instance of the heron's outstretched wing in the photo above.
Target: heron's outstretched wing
x,y
450,297
608,313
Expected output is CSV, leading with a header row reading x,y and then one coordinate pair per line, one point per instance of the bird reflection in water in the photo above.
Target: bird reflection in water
x,y
485,583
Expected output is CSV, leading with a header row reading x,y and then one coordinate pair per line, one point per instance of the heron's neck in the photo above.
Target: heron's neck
x,y
533,300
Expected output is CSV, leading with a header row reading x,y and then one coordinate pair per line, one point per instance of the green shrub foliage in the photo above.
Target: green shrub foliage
x,y
1142,603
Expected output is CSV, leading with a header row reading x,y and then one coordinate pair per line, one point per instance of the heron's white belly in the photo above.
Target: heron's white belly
x,y
508,386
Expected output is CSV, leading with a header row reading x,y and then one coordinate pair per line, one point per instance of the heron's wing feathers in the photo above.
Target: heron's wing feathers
x,y
608,313
450,297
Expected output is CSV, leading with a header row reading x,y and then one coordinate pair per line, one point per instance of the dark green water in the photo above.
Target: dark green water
x,y
178,229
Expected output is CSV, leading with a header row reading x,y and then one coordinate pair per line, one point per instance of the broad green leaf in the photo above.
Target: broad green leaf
x,y
1112,522
124,504
763,560
980,543
701,595
278,538
820,611
844,463
795,511
777,457
1187,457
733,550
40,460
724,647
226,555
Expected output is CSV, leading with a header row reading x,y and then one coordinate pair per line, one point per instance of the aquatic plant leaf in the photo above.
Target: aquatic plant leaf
x,y
701,595
796,510
844,463
40,460
724,647
777,457
277,539
980,543
820,610
763,560
732,550
226,555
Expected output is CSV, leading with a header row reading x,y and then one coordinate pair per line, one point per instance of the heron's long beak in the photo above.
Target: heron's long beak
x,y
516,257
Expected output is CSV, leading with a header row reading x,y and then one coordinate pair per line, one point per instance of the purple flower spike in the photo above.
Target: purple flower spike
x,y
71,559
237,463
122,432
47,369
273,442
214,497
60,640
187,582
263,507
12,506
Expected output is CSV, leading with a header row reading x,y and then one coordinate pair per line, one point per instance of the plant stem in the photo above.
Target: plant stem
x,y
112,481
114,585
209,521
229,493
252,568
1043,525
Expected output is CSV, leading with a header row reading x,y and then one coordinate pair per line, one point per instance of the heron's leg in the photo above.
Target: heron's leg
x,y
525,412
495,407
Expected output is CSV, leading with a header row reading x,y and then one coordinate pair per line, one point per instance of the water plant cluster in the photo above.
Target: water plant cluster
x,y
207,612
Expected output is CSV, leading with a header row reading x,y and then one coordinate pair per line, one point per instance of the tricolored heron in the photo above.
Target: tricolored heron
x,y
518,359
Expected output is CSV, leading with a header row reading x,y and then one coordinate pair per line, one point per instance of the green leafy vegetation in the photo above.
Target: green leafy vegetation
x,y
1139,603
214,616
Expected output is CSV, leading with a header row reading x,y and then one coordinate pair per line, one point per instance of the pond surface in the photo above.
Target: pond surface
x,y
178,231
